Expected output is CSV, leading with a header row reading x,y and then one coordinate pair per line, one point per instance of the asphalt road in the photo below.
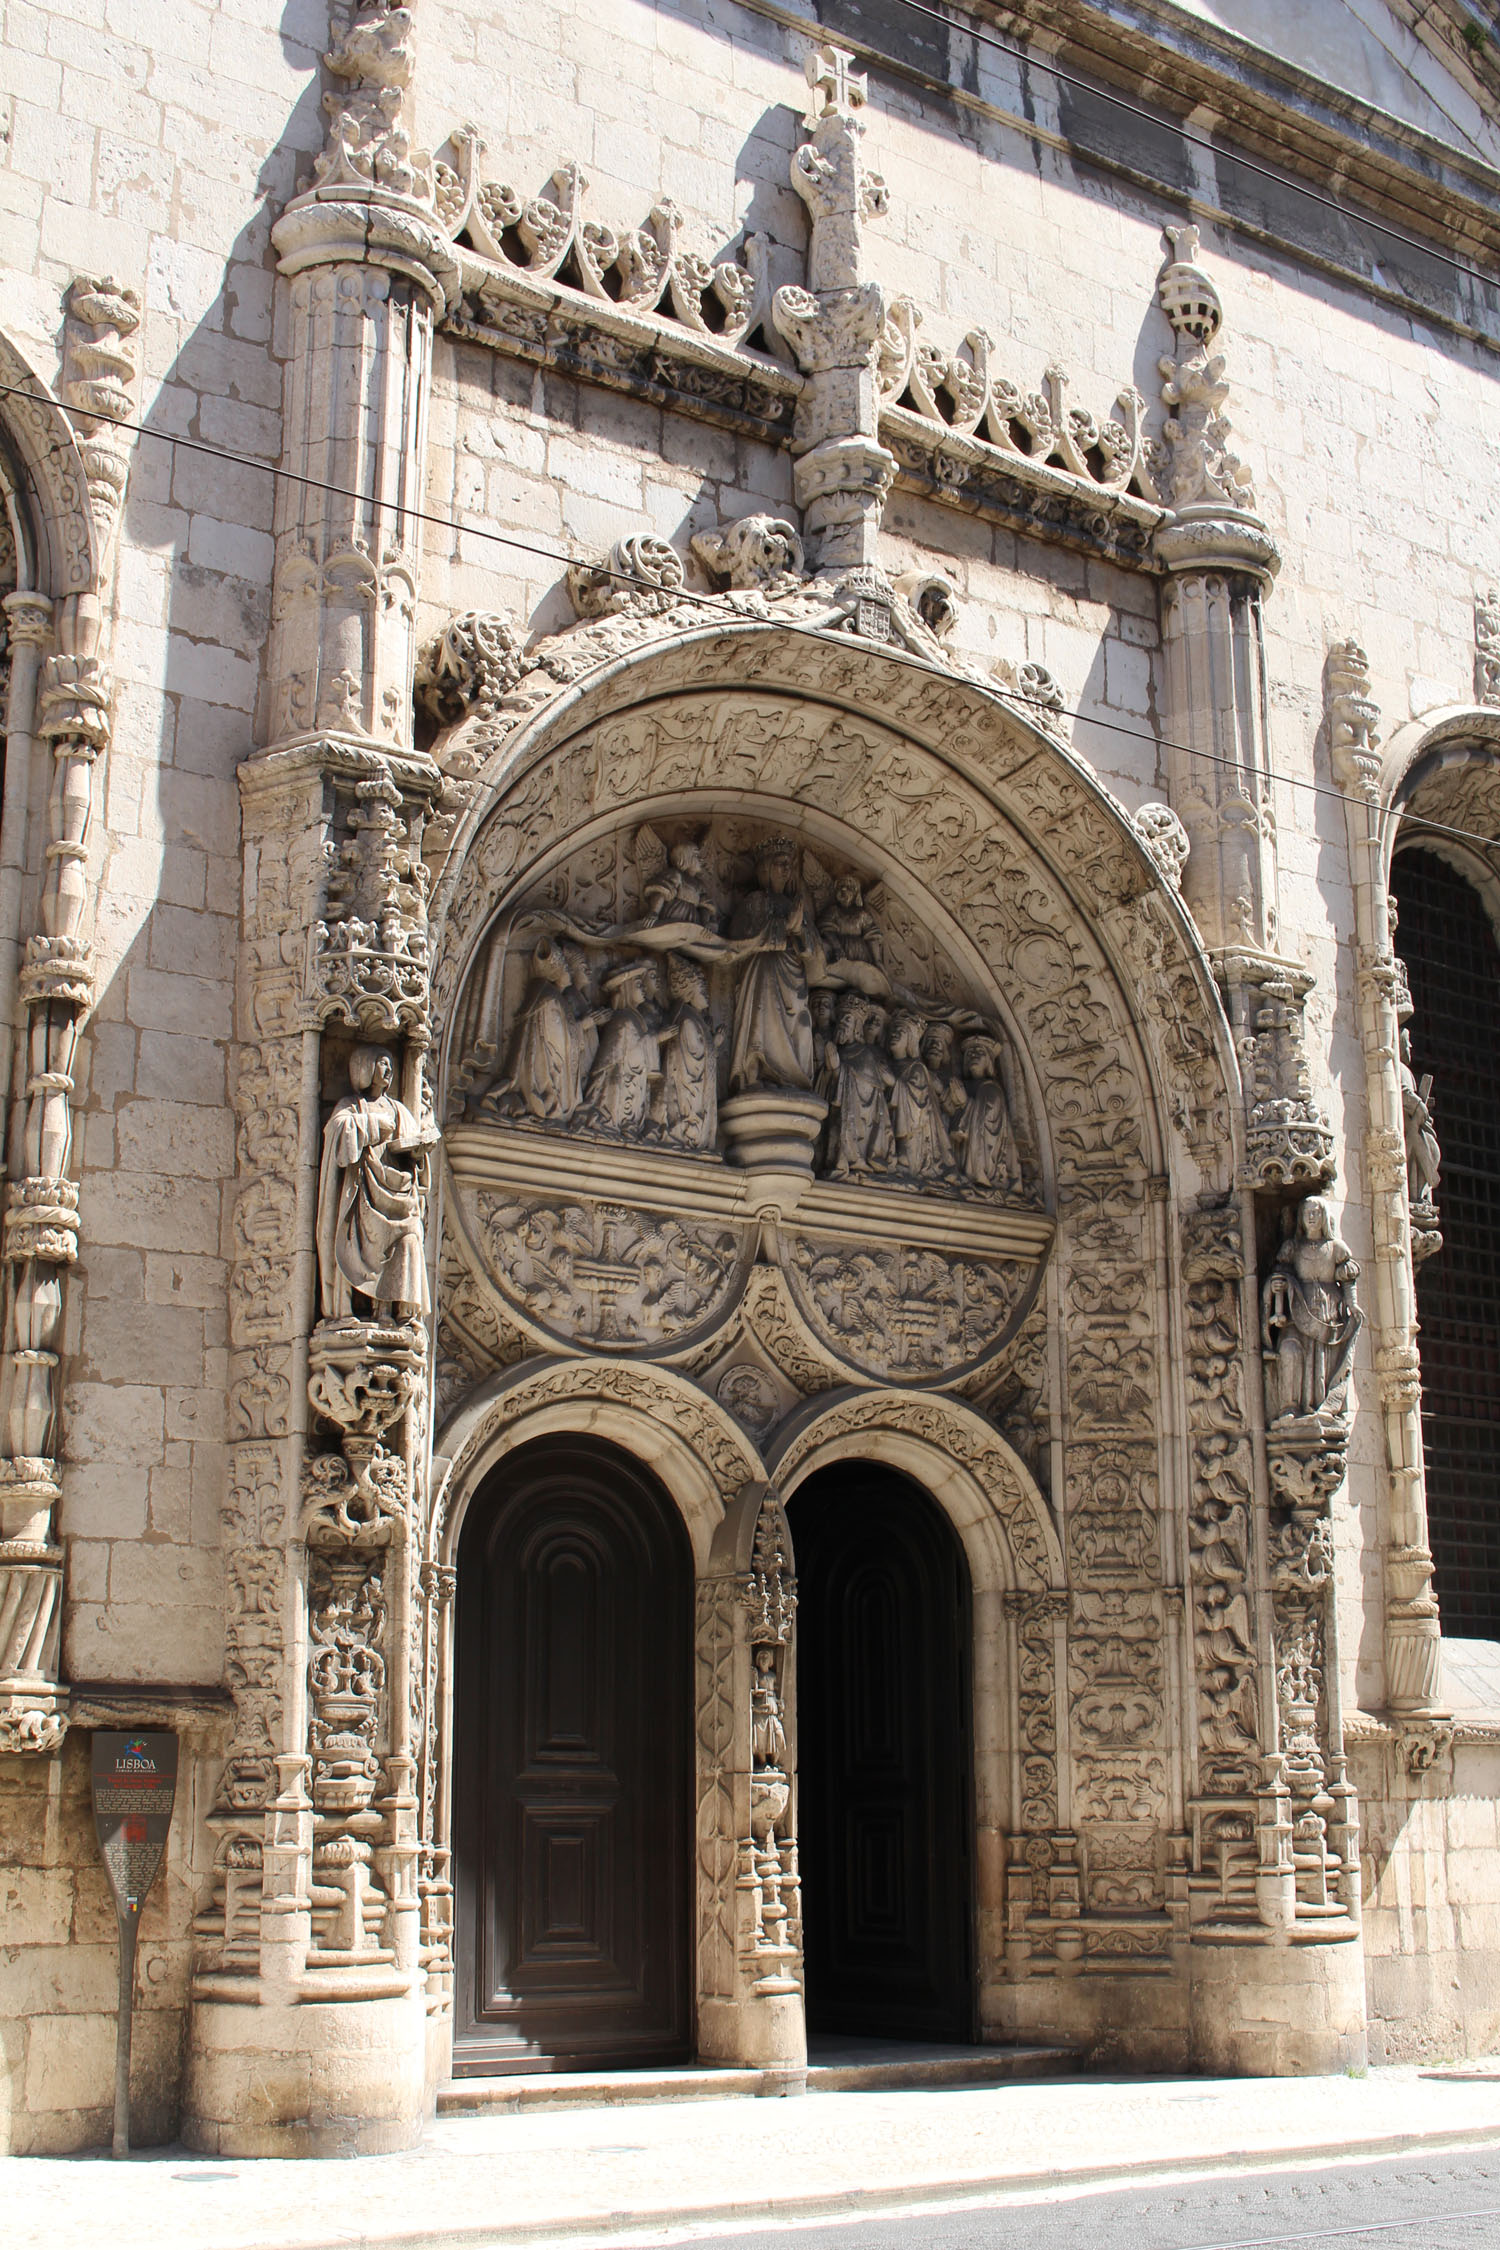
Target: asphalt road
x,y
1441,2202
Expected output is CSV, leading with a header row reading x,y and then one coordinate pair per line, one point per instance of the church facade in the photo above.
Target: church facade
x,y
748,1003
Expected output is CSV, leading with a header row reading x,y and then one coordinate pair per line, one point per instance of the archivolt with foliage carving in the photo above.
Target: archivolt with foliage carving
x,y
910,759
890,1425
656,1414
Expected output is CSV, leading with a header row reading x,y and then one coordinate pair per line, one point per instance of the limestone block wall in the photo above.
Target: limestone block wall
x,y
163,162
58,1957
157,153
1431,1850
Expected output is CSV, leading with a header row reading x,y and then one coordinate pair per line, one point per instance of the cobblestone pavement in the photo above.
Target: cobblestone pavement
x,y
737,2164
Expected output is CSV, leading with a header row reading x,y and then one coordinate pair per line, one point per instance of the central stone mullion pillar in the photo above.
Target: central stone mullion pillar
x,y
750,2000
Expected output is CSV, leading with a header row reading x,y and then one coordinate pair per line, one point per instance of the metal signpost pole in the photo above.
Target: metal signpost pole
x,y
134,1783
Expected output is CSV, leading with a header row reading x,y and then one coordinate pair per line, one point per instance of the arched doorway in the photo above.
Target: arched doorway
x,y
1447,941
884,1757
573,1766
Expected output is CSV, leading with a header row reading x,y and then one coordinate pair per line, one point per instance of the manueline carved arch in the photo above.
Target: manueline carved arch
x,y
526,776
984,1487
698,1451
40,451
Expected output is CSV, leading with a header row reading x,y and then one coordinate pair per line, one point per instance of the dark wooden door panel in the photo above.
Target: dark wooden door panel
x,y
885,1784
572,1768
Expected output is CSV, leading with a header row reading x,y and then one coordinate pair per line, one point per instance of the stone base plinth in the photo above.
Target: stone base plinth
x,y
319,2078
773,1129
1285,2011
766,2033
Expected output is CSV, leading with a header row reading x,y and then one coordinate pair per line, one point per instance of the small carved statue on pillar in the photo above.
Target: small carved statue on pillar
x,y
1423,1155
1309,1320
370,1196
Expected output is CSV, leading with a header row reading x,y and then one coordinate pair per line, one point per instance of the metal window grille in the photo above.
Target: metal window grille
x,y
1448,944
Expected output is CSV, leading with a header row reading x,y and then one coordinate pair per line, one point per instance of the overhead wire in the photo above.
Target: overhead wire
x,y
710,603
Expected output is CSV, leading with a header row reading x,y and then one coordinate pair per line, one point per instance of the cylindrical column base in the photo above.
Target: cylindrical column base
x,y
319,2078
1278,2011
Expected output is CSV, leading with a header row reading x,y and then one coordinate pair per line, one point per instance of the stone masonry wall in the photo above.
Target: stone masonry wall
x,y
154,145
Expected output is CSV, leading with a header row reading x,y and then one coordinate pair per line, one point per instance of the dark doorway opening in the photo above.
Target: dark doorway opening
x,y
1447,941
885,1766
572,1767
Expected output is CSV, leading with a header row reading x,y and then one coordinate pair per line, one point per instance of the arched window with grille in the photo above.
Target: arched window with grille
x,y
1447,940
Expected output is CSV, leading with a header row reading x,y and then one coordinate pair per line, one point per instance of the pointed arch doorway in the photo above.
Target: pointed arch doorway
x,y
572,1767
885,1763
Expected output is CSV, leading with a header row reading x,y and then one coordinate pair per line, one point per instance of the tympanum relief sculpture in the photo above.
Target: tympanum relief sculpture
x,y
692,1027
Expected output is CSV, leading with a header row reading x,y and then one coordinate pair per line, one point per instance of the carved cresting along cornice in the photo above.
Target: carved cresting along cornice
x,y
637,311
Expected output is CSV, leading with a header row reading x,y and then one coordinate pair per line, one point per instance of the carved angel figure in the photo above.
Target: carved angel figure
x,y
860,1136
773,1034
1423,1156
370,1190
690,1059
673,885
848,929
617,1098
1309,1319
982,1135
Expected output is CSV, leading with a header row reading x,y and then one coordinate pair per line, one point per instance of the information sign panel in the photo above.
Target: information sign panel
x,y
134,1784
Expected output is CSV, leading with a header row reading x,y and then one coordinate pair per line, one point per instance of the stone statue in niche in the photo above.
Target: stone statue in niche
x,y
860,1137
982,1136
690,1060
370,1198
627,1068
767,1731
1309,1320
923,1149
773,1035
1423,1156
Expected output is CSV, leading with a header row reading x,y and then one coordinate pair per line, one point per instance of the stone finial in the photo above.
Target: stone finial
x,y
1353,718
368,141
1201,470
99,327
835,327
838,90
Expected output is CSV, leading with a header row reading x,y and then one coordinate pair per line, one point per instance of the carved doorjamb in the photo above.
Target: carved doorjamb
x,y
1016,1569
63,468
1446,767
748,1975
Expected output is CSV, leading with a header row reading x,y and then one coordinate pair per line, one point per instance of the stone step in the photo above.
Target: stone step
x,y
834,2067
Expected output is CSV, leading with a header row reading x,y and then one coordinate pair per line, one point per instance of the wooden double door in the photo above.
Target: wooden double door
x,y
572,1767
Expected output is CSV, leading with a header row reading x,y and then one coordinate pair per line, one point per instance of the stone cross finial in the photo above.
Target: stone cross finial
x,y
838,89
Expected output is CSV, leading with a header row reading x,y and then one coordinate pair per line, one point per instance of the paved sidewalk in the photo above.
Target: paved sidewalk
x,y
591,2174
